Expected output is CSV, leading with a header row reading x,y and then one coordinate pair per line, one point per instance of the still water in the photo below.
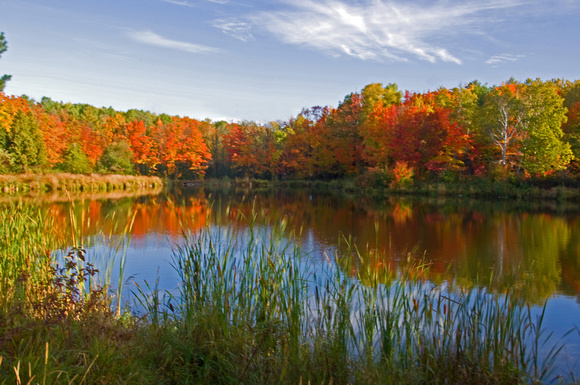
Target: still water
x,y
533,247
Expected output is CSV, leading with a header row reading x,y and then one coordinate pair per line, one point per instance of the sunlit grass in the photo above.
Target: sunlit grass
x,y
18,183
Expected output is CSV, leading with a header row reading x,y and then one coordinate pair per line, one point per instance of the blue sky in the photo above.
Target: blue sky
x,y
266,60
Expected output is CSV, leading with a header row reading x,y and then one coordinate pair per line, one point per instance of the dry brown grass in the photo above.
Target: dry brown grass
x,y
18,183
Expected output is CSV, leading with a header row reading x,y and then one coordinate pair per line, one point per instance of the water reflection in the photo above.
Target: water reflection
x,y
468,242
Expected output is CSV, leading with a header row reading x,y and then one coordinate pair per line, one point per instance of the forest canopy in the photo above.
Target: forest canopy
x,y
524,129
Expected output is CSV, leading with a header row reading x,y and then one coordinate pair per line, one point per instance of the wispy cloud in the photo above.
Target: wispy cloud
x,y
497,60
151,38
185,3
179,2
236,29
380,29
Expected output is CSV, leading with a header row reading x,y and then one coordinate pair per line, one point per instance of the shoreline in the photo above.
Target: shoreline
x,y
505,190
24,183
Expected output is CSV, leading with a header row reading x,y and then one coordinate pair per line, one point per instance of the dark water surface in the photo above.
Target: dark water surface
x,y
534,247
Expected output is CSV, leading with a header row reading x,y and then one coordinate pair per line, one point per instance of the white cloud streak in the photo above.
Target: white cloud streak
x,y
178,2
497,60
188,4
236,29
380,29
151,38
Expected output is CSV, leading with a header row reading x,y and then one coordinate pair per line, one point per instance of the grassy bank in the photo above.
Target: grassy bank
x,y
22,183
251,308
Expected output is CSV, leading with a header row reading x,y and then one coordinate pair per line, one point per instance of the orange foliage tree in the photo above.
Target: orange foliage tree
x,y
142,143
251,149
54,133
181,146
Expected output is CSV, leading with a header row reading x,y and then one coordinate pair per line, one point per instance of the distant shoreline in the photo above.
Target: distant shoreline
x,y
539,190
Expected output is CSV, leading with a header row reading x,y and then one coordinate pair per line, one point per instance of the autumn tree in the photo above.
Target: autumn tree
x,y
266,152
343,151
465,106
181,147
377,120
213,134
111,127
143,145
505,120
194,153
418,133
374,96
243,145
417,136
54,133
9,107
92,144
296,158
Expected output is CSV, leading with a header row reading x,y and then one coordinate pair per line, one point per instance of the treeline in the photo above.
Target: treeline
x,y
381,135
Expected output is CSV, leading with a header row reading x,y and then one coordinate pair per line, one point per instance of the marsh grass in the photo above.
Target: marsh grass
x,y
57,324
22,183
252,307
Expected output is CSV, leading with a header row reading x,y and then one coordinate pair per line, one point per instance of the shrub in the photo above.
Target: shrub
x,y
402,175
376,177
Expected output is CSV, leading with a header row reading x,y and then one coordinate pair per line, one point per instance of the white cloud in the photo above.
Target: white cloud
x,y
178,2
188,4
496,60
380,29
235,28
151,38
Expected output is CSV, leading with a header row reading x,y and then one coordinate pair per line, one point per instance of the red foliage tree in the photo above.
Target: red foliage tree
x,y
54,133
142,144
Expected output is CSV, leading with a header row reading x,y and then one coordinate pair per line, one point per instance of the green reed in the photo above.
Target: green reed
x,y
26,242
56,320
268,313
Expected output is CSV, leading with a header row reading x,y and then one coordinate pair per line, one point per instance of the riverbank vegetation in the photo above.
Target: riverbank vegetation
x,y
77,183
251,307
384,138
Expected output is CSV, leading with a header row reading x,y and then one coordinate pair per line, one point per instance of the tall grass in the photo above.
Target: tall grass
x,y
254,308
26,243
56,321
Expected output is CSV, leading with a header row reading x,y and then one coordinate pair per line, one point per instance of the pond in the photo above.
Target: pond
x,y
534,248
